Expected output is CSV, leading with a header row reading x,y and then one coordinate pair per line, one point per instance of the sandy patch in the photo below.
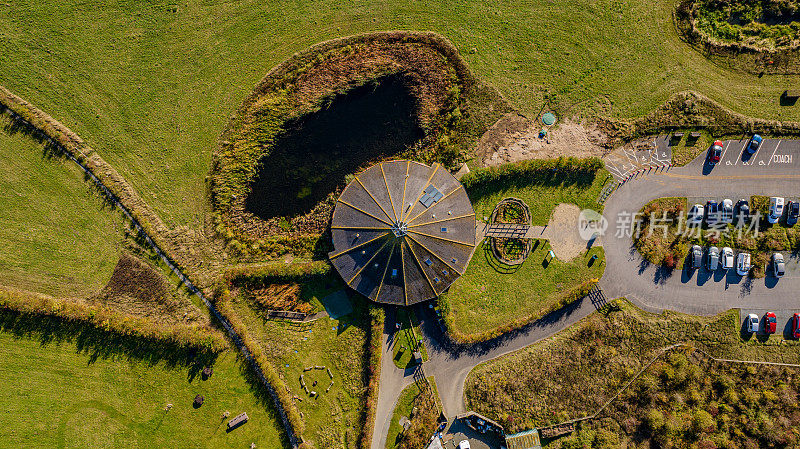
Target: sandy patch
x,y
515,138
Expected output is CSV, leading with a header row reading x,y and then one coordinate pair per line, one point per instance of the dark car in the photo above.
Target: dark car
x,y
770,323
744,210
697,257
712,212
755,144
796,325
715,152
792,212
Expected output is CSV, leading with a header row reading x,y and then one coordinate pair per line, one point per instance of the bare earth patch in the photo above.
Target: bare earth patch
x,y
515,138
562,232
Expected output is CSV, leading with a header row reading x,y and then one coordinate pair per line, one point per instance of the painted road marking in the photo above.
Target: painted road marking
x,y
725,150
741,153
773,153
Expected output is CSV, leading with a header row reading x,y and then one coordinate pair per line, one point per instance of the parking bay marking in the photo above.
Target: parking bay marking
x,y
773,153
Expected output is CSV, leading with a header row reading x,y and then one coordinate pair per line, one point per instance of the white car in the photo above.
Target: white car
x,y
752,323
726,211
726,260
743,264
696,214
465,444
775,209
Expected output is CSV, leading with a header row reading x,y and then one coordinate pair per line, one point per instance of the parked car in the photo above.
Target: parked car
x,y
726,211
796,325
752,323
755,144
727,258
792,212
744,210
713,258
696,214
775,209
778,267
770,323
464,444
743,264
697,256
715,152
712,212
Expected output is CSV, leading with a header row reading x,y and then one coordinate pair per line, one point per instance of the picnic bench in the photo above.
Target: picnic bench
x,y
237,421
791,94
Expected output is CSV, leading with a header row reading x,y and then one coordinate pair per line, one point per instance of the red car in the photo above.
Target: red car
x,y
796,325
770,323
715,152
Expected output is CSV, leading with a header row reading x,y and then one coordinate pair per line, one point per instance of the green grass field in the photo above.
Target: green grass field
x,y
484,299
334,418
407,339
57,396
540,197
57,236
150,85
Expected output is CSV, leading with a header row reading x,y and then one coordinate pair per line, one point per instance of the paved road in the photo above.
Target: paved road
x,y
450,363
773,170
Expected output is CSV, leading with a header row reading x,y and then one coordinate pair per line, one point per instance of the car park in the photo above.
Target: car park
x,y
796,325
778,265
696,214
770,323
712,212
792,212
743,210
755,144
697,256
743,264
752,323
715,152
726,211
712,262
775,209
727,258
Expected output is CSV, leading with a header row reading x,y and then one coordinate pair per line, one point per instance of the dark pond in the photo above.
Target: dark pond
x,y
311,159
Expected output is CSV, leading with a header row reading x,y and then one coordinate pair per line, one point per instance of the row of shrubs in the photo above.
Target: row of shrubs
x,y
460,337
199,337
276,272
691,110
561,170
377,319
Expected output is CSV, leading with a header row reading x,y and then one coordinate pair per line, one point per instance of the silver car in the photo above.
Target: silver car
x,y
713,258
778,266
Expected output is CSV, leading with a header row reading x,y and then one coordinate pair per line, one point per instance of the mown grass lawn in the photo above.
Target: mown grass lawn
x,y
333,419
540,196
56,235
151,85
55,395
407,339
484,299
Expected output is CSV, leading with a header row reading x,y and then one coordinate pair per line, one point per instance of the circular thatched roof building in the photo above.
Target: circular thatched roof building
x,y
402,232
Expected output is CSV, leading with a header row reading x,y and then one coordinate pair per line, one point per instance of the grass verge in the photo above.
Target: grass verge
x,y
407,339
487,301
